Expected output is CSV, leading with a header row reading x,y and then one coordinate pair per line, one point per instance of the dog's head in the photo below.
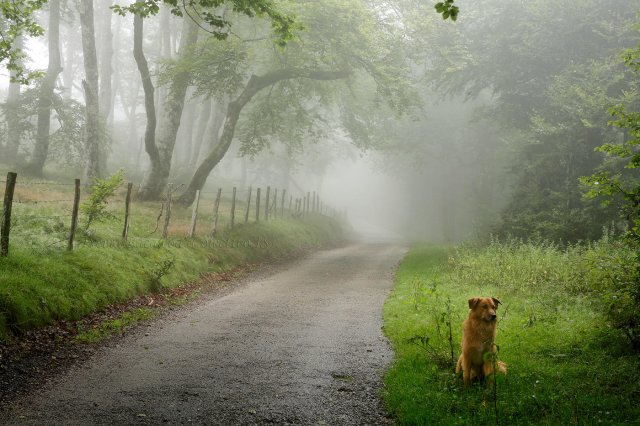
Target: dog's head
x,y
484,308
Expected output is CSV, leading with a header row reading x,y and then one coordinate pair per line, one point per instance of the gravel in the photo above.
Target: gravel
x,y
301,345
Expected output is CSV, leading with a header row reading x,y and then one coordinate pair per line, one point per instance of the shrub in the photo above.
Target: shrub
x,y
95,208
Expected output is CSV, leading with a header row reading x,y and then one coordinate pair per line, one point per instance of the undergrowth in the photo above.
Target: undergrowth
x,y
569,363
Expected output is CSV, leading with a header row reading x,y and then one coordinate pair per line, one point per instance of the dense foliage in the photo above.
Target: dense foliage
x,y
545,77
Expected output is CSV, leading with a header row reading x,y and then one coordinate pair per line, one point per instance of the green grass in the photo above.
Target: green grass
x,y
567,365
41,282
115,326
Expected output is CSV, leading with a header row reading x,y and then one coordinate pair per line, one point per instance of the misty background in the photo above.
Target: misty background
x,y
429,129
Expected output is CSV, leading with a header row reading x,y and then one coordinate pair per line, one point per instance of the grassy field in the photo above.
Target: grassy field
x,y
41,282
567,365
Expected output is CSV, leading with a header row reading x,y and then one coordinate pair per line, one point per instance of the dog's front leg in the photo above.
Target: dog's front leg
x,y
466,373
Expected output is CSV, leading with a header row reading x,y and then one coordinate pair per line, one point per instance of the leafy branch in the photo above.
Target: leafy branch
x,y
447,9
283,25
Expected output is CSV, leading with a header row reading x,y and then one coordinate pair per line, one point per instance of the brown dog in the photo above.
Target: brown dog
x,y
478,340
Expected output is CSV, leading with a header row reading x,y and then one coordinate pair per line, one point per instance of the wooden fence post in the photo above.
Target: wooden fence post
x,y
246,214
290,204
258,205
284,191
274,205
194,215
167,218
127,207
74,214
216,206
5,228
266,203
233,207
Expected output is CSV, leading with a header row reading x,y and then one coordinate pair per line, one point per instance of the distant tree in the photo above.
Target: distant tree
x,y
550,84
198,12
618,180
13,98
147,85
106,59
156,179
90,86
343,51
41,150
66,140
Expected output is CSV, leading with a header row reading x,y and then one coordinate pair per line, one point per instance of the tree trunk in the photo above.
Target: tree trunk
x,y
155,181
203,121
184,138
13,126
45,98
147,85
106,58
163,49
90,86
106,73
253,86
212,131
69,65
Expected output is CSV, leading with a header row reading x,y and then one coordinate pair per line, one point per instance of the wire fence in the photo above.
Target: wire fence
x,y
54,215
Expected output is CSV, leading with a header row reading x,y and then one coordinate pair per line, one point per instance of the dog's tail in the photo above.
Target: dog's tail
x,y
502,367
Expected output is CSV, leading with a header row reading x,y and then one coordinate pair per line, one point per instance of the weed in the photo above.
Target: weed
x,y
159,270
436,355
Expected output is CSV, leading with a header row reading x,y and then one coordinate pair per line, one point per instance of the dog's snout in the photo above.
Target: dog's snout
x,y
492,317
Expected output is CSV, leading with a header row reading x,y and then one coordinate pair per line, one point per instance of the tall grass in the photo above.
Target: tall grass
x,y
567,363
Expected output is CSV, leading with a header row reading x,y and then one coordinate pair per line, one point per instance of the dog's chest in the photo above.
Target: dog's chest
x,y
478,337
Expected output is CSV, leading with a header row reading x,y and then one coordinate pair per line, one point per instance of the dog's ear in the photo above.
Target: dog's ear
x,y
473,302
496,301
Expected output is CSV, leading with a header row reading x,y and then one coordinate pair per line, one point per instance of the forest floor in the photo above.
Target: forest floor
x,y
297,343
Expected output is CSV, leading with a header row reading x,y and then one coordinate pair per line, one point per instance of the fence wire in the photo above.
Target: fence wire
x,y
41,223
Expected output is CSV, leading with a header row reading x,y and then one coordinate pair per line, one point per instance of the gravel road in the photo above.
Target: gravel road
x,y
302,345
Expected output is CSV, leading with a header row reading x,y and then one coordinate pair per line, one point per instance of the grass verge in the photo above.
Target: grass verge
x,y
567,365
40,287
